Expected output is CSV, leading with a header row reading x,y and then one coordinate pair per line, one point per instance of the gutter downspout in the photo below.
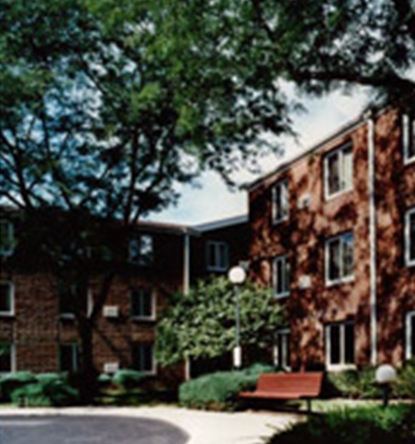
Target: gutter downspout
x,y
186,287
372,237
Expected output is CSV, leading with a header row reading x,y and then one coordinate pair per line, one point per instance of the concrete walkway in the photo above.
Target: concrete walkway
x,y
202,427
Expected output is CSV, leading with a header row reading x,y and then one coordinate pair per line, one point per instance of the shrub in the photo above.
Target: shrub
x,y
405,385
128,379
354,426
355,384
13,381
48,389
219,391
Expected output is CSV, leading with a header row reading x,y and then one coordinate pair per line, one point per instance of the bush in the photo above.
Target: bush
x,y
219,391
128,379
13,381
354,384
354,426
405,385
48,389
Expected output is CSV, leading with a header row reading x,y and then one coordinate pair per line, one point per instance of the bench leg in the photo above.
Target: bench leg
x,y
309,405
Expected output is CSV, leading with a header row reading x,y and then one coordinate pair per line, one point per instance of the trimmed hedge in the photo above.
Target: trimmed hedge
x,y
368,425
219,391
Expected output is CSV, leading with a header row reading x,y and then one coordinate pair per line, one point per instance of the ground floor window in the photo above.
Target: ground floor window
x,y
340,344
6,358
282,349
410,335
143,357
68,357
6,298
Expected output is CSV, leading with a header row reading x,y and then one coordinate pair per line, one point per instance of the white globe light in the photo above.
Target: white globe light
x,y
385,373
237,275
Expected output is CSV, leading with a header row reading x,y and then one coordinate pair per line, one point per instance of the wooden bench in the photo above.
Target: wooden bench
x,y
285,386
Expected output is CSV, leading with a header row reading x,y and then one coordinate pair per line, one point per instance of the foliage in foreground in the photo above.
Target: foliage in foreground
x,y
354,426
219,391
47,389
202,324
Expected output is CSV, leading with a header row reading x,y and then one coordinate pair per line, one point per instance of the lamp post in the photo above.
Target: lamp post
x,y
385,375
237,276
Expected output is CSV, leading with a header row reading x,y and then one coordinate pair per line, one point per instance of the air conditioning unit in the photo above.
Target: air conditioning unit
x,y
111,311
111,367
304,282
304,201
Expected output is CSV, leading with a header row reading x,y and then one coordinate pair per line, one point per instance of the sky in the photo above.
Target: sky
x,y
212,200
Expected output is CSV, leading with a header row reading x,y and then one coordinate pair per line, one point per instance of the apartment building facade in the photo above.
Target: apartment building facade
x,y
38,330
333,232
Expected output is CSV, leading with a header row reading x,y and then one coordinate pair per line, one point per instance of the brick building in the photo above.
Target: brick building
x,y
37,323
333,231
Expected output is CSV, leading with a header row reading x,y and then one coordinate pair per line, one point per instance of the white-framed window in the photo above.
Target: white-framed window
x,y
408,138
6,298
338,171
143,303
217,256
141,249
282,349
281,276
340,345
143,358
340,258
6,238
68,302
280,202
69,357
7,358
410,237
410,335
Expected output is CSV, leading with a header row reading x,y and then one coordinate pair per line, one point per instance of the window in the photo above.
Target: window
x,y
410,335
410,237
338,171
217,256
6,298
409,138
280,202
340,344
142,303
281,276
141,249
68,357
143,357
282,349
68,301
6,238
339,258
7,360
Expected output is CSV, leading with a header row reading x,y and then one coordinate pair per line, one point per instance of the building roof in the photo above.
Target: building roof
x,y
222,223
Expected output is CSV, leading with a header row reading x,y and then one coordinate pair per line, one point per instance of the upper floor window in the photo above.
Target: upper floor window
x,y
6,358
281,276
142,303
410,335
340,344
141,249
280,202
338,171
408,138
143,357
6,298
410,237
217,254
340,258
68,357
6,238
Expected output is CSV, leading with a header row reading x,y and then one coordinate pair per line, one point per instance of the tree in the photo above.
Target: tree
x,y
202,323
101,117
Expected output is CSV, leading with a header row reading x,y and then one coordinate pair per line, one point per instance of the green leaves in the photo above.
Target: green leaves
x,y
202,324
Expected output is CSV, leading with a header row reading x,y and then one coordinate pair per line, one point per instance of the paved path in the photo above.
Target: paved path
x,y
151,425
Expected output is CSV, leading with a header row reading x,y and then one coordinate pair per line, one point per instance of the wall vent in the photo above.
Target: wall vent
x,y
304,201
111,311
111,367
